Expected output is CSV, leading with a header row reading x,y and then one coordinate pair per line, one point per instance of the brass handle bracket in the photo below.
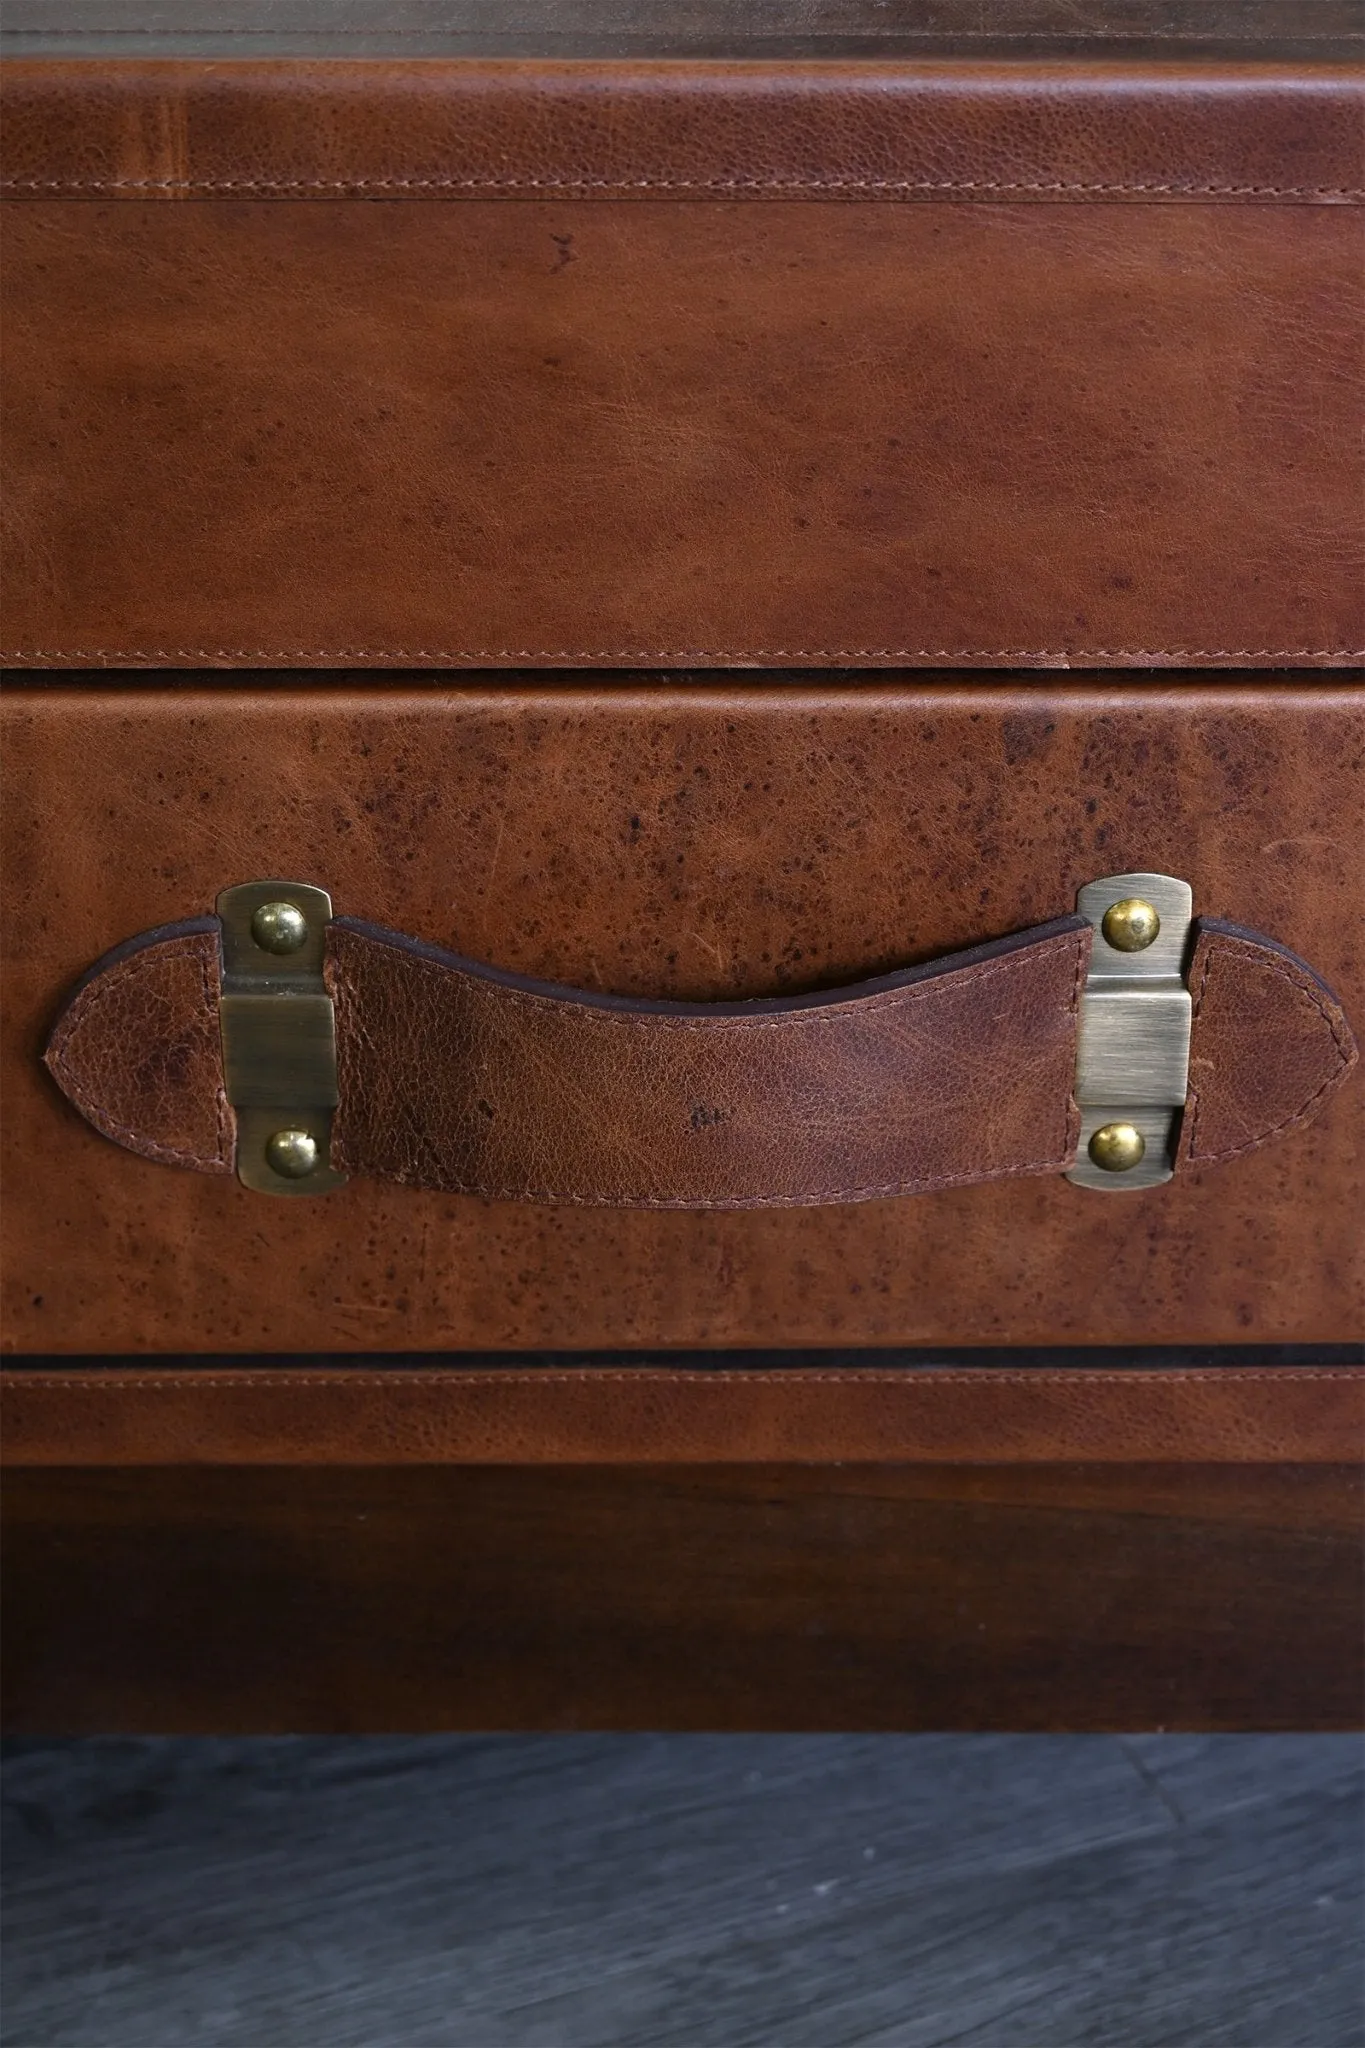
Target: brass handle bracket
x,y
279,1036
1133,1036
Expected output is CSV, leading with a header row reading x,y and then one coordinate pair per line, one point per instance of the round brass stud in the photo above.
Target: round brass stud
x,y
1131,926
292,1154
279,928
1117,1148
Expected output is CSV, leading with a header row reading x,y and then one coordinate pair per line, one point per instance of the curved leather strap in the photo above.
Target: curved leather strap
x,y
454,1076
457,1077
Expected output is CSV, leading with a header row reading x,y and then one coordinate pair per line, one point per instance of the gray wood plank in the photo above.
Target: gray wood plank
x,y
715,1891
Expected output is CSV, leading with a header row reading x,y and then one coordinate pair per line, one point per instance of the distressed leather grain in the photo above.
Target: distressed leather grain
x,y
458,1078
137,1048
455,1079
1269,1044
696,842
1164,131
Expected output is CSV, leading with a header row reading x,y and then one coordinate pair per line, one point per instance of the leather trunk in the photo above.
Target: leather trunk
x,y
934,454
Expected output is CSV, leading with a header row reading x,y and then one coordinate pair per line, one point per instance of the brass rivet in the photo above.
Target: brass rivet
x,y
279,928
1117,1148
292,1154
1131,926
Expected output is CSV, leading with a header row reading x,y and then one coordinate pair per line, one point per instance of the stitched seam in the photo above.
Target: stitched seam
x,y
21,656
1305,1111
448,184
288,1376
148,1148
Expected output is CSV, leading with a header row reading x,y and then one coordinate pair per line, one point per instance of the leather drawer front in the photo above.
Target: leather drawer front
x,y
681,840
263,433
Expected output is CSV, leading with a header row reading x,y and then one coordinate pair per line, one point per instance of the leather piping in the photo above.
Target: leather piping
x,y
1053,657
611,187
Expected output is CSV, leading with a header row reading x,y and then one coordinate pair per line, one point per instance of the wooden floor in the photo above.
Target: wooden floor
x,y
638,1891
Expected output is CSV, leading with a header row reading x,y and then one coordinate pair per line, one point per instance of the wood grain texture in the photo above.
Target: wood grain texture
x,y
686,1892
768,1598
226,28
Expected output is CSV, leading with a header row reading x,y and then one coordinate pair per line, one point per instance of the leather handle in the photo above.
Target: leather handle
x,y
455,1076
458,1077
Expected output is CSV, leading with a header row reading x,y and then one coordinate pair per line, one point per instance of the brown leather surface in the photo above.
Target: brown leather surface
x,y
697,843
455,1078
461,1078
1268,1045
252,433
888,130
280,1415
138,1049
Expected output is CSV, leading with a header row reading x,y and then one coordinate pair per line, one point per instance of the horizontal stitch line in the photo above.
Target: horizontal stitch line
x,y
1100,37
179,1381
449,184
1097,36
22,656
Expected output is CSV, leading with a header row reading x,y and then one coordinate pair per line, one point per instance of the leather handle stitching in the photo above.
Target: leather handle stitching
x,y
87,1000
1305,1111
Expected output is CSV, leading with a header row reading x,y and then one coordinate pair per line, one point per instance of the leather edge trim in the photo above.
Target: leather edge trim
x,y
287,1416
96,983
755,1010
287,660
1209,931
83,112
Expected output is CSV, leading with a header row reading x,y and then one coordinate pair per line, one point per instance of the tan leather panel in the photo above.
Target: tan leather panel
x,y
260,433
700,843
883,130
280,1415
